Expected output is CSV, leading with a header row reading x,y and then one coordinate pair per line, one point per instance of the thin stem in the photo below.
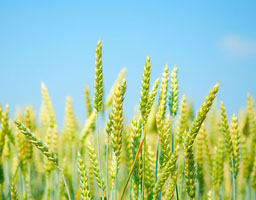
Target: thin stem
x,y
157,155
116,183
234,180
182,179
7,176
130,191
98,146
66,186
46,188
107,170
172,125
74,167
157,158
143,161
133,165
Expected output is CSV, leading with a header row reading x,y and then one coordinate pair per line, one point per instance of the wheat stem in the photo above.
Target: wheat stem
x,y
107,170
66,186
234,179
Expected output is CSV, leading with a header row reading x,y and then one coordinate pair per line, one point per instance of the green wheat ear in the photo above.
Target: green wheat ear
x,y
152,96
70,124
98,82
145,89
88,103
38,143
95,166
117,110
29,150
225,130
200,117
163,93
85,194
236,143
167,170
190,138
173,97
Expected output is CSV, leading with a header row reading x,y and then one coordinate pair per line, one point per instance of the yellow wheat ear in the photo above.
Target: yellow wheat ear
x,y
70,124
48,106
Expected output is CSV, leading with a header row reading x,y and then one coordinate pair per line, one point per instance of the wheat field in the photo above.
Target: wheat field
x,y
167,151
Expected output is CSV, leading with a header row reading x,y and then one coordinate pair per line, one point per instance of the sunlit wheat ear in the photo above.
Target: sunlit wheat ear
x,y
29,150
173,97
85,194
200,163
38,143
165,173
200,117
112,91
117,110
48,142
160,115
88,103
51,119
236,143
218,163
98,80
245,158
6,129
7,133
145,89
225,130
152,96
109,127
164,136
190,171
182,120
149,169
32,116
69,124
163,94
127,148
95,166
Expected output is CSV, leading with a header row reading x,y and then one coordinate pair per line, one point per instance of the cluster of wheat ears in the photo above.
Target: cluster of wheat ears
x,y
165,152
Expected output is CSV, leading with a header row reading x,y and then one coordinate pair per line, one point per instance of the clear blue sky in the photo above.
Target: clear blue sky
x,y
54,42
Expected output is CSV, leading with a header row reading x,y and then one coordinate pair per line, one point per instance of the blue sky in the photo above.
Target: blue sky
x,y
55,42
